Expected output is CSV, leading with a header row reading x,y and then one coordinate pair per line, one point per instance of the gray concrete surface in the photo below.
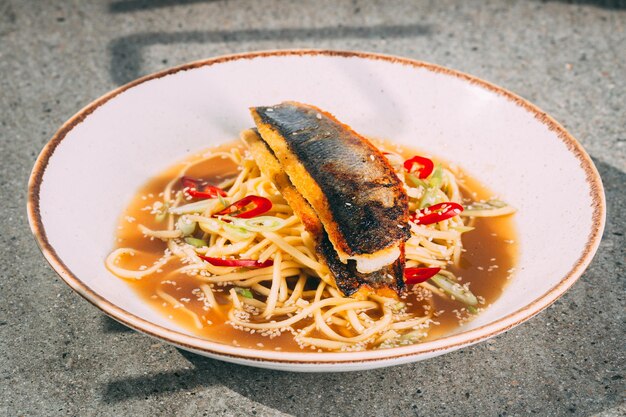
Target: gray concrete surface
x,y
61,356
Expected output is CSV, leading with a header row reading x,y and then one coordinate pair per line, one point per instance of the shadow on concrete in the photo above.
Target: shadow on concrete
x,y
159,384
126,6
420,388
606,4
111,326
126,52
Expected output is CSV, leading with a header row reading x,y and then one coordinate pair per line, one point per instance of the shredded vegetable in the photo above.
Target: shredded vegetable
x,y
431,195
198,243
185,225
244,292
490,208
261,223
456,290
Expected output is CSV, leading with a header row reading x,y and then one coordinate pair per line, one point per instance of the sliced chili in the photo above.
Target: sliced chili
x,y
436,213
246,208
424,166
417,275
196,190
248,263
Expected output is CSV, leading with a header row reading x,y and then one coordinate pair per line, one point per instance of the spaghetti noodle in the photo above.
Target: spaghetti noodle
x,y
295,294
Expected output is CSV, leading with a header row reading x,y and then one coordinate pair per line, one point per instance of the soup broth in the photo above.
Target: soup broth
x,y
487,262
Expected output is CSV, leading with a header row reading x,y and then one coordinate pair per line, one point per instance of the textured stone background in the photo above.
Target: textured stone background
x,y
61,356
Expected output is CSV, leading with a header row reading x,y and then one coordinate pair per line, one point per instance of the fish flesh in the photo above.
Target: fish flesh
x,y
348,182
387,281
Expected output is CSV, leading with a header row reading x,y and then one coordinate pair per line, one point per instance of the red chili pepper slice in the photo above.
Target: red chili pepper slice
x,y
417,275
248,263
436,213
259,205
196,190
424,166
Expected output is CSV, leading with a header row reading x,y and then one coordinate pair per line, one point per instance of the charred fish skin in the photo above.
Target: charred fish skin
x,y
349,183
348,280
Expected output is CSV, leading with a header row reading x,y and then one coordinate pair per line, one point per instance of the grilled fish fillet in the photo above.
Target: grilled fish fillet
x,y
386,281
355,192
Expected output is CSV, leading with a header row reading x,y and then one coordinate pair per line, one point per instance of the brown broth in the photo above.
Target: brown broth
x,y
490,254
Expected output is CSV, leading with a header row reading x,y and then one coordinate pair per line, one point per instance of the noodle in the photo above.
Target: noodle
x,y
296,294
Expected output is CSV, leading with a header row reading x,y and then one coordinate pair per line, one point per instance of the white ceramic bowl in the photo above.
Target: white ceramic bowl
x,y
120,140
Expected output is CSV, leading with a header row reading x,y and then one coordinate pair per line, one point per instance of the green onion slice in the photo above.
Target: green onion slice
x,y
416,182
185,226
198,243
235,232
431,195
261,223
490,208
455,289
197,207
162,214
244,292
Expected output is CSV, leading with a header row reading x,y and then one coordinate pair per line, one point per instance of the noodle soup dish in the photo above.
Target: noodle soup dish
x,y
354,211
220,243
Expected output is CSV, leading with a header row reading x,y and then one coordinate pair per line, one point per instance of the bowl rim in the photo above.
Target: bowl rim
x,y
399,354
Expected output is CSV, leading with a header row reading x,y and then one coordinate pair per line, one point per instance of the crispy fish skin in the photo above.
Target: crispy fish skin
x,y
348,182
387,282
270,167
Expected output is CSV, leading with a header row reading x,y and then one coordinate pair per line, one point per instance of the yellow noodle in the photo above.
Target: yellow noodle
x,y
297,290
299,256
208,292
323,343
256,248
111,260
161,234
272,298
180,306
338,322
235,298
389,334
